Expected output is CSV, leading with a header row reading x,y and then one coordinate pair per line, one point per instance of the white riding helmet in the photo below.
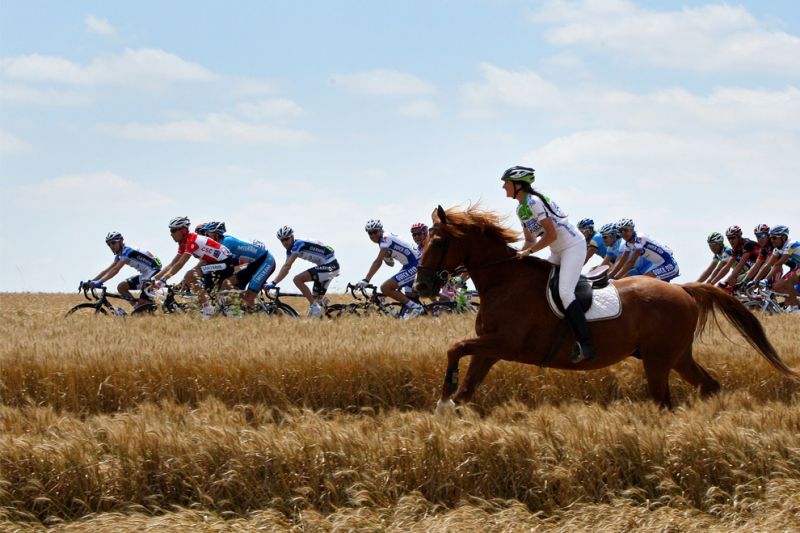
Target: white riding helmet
x,y
373,224
114,236
179,222
284,233
626,223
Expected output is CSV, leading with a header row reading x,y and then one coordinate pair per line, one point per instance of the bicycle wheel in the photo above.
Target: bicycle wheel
x,y
88,306
440,308
339,310
279,309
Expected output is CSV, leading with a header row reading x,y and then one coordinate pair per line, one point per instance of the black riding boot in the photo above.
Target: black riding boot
x,y
577,321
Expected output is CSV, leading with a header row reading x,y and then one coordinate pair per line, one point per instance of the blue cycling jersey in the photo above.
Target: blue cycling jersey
x,y
143,261
616,250
398,250
597,242
247,251
316,252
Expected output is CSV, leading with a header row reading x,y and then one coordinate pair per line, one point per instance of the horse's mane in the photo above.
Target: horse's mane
x,y
461,221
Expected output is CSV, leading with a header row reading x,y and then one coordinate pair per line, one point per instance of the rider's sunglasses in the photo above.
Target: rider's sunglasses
x,y
175,230
417,234
373,232
761,235
776,237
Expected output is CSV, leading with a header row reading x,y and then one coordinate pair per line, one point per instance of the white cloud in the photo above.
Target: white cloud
x,y
213,128
273,108
110,190
98,26
707,38
252,87
524,89
383,82
21,94
10,144
420,109
131,66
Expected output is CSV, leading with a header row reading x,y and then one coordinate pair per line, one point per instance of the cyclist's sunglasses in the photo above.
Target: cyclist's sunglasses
x,y
761,235
417,234
373,232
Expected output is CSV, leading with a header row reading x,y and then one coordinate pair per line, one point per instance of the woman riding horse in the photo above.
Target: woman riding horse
x,y
658,321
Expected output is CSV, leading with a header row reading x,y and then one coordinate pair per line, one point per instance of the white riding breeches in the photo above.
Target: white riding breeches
x,y
571,260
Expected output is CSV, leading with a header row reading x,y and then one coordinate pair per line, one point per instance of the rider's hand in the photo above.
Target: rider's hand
x,y
523,253
95,284
764,283
749,284
157,284
362,284
269,286
722,284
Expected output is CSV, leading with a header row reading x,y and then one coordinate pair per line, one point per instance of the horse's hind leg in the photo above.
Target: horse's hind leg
x,y
657,366
696,375
478,368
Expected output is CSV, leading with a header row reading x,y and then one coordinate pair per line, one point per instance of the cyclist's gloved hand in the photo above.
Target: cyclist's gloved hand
x,y
157,284
269,286
764,283
362,284
95,284
750,283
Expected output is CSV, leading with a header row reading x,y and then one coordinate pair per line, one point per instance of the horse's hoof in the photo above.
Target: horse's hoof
x,y
445,407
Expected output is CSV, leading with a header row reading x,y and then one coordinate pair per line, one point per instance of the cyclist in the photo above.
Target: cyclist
x,y
259,262
325,268
786,253
544,225
663,265
419,232
719,261
594,241
763,264
146,263
208,251
744,254
393,248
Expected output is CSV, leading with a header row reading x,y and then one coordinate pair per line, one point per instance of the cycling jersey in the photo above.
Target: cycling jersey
x,y
146,263
723,256
203,248
649,249
766,251
747,252
243,251
399,250
790,249
616,250
597,242
315,252
532,211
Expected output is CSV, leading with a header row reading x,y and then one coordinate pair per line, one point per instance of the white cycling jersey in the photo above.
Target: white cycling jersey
x,y
146,263
399,250
651,250
532,211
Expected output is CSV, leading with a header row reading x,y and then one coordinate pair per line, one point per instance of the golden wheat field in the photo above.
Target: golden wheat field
x,y
272,424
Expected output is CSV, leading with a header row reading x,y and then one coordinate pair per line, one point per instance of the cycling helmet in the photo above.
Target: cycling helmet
x,y
114,236
626,223
373,224
285,232
733,231
783,231
715,238
215,227
518,173
419,226
761,229
609,229
586,223
179,222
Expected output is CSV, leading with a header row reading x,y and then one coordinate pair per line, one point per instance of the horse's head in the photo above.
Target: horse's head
x,y
470,238
442,255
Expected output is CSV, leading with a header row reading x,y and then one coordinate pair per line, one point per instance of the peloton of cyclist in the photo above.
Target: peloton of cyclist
x,y
786,252
259,263
744,254
146,263
662,263
719,260
325,268
210,253
393,248
594,240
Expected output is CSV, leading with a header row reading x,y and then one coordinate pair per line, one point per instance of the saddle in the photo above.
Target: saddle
x,y
597,279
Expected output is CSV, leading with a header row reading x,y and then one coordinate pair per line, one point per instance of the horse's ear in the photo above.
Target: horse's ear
x,y
441,214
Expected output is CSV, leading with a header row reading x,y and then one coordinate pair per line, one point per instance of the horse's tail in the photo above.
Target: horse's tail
x,y
710,300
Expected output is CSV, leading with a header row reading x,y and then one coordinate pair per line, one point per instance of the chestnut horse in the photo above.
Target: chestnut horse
x,y
658,322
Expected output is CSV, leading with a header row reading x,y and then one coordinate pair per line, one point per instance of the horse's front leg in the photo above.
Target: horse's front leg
x,y
483,350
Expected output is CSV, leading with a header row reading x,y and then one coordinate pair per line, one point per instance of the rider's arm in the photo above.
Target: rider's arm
x,y
719,270
707,273
606,261
173,268
111,271
731,279
765,269
376,264
530,240
629,263
545,240
777,266
721,274
753,270
284,269
616,268
591,249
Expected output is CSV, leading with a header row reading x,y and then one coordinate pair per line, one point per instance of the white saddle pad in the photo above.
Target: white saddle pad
x,y
606,304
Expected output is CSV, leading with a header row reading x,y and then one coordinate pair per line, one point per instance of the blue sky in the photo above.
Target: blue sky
x,y
321,115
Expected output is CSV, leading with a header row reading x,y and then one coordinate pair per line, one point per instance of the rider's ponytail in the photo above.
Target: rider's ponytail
x,y
545,200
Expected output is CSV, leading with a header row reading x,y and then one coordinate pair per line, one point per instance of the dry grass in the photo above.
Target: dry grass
x,y
174,423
